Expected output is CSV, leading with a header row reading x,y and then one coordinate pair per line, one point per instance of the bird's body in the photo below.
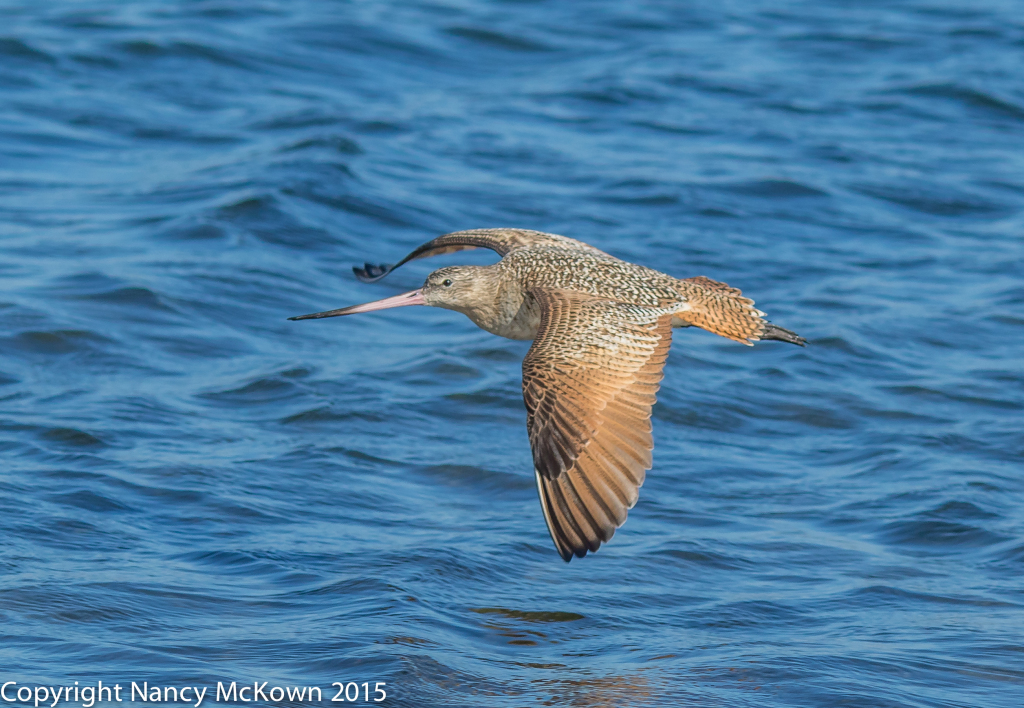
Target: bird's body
x,y
560,268
601,329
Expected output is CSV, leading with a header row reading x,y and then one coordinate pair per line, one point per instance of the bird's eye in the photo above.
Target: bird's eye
x,y
447,283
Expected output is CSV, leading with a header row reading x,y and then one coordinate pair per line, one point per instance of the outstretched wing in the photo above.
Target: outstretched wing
x,y
500,240
589,382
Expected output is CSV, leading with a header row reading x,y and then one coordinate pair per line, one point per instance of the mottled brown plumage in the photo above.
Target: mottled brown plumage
x,y
601,329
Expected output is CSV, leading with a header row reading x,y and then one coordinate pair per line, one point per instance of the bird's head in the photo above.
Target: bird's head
x,y
460,288
466,289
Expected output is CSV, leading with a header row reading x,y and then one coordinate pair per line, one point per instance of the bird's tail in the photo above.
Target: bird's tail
x,y
722,309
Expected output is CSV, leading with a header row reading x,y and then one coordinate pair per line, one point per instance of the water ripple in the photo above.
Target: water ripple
x,y
196,490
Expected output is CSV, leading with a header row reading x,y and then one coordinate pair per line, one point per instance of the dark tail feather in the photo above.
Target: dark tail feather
x,y
782,334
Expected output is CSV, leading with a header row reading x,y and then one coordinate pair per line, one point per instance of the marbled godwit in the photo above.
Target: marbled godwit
x,y
601,329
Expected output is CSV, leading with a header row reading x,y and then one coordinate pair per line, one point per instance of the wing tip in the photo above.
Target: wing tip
x,y
568,554
562,545
371,273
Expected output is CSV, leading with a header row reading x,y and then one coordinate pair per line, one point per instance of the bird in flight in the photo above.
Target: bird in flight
x,y
601,329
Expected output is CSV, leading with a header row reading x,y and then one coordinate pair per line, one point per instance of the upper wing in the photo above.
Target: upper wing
x,y
500,240
589,382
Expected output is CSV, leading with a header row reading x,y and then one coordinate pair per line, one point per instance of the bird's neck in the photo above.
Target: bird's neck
x,y
499,307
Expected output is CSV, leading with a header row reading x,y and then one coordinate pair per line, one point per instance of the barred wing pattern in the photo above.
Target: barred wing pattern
x,y
589,382
722,309
500,241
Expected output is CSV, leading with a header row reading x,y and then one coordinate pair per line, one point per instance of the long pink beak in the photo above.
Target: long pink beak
x,y
411,298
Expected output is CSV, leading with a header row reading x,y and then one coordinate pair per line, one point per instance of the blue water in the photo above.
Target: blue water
x,y
194,489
